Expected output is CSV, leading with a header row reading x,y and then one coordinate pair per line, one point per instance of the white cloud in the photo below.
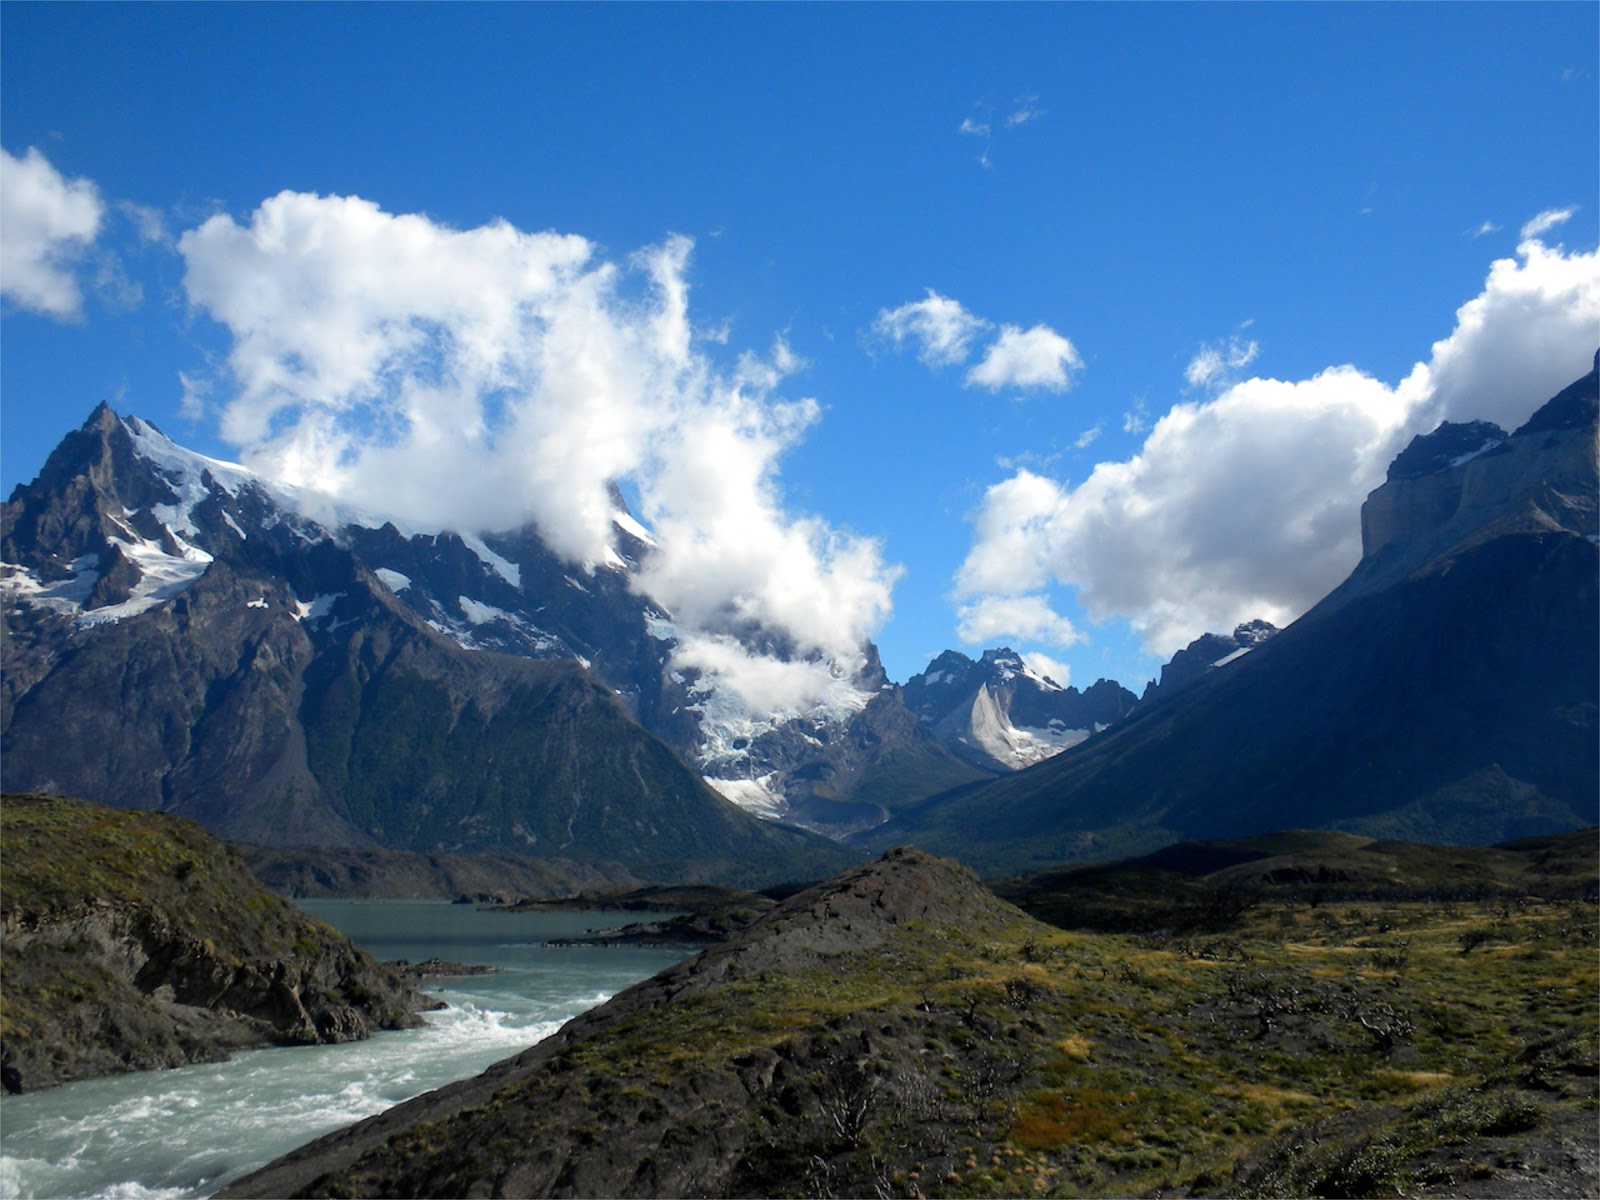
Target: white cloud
x,y
974,128
1486,228
1216,363
1027,358
942,329
1051,668
46,224
989,620
1247,504
1530,332
477,379
1089,436
1546,221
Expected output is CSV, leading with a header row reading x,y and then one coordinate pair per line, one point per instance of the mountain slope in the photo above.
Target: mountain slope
x,y
1446,692
177,639
122,522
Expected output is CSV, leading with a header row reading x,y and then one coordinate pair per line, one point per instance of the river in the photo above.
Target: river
x,y
188,1131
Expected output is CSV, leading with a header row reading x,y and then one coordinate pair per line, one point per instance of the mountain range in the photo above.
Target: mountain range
x,y
1445,692
181,634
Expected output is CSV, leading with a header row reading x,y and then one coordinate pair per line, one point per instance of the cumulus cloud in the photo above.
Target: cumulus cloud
x,y
1247,504
478,379
1215,364
1529,333
1027,358
47,223
992,619
940,327
1546,221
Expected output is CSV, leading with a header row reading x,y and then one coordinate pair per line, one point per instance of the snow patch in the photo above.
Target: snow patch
x,y
1472,454
62,595
756,796
1015,746
393,580
504,567
481,614
259,602
1228,658
319,607
626,523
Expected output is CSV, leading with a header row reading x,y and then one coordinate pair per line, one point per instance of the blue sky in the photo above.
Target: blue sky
x,y
1202,248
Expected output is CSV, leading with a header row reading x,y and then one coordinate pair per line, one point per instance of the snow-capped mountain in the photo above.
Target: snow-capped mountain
x,y
122,522
1001,714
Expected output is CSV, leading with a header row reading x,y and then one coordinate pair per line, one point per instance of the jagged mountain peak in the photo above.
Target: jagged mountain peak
x,y
1001,714
123,522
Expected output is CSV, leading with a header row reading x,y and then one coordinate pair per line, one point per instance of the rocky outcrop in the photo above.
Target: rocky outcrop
x,y
1206,653
133,940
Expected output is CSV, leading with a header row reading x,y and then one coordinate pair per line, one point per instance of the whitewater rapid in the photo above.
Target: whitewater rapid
x,y
186,1132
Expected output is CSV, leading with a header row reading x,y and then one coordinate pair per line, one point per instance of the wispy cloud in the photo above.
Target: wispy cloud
x,y
1027,110
1215,364
1547,220
940,327
1088,437
1485,229
991,118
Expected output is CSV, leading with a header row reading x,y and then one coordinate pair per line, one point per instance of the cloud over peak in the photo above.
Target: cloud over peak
x,y
479,379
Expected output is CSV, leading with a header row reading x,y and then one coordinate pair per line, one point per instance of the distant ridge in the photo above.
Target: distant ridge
x,y
1445,692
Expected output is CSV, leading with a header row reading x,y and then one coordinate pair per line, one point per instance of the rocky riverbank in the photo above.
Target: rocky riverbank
x,y
133,940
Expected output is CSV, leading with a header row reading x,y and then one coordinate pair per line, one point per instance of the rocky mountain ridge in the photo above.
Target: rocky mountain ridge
x,y
122,523
286,695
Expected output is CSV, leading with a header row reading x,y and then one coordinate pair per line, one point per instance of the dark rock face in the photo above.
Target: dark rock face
x,y
133,940
999,715
1206,653
1448,446
1446,692
247,668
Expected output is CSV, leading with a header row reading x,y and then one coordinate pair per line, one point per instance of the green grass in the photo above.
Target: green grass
x,y
1315,1050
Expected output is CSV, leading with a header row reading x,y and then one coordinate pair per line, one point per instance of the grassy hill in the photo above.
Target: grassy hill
x,y
900,1031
